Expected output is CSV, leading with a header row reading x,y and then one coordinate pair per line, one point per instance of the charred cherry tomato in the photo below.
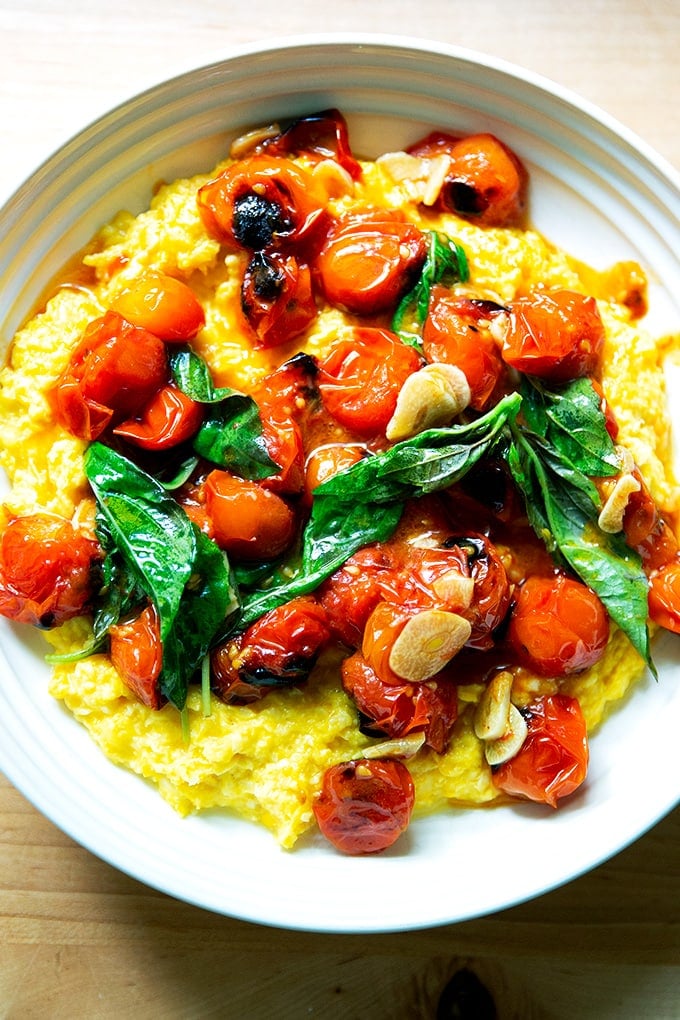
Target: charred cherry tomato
x,y
322,135
327,461
664,596
278,650
558,626
264,202
361,377
399,709
556,335
369,260
290,390
553,761
276,298
658,548
46,569
456,331
486,182
113,372
350,595
170,418
491,593
163,305
365,805
137,653
283,439
247,521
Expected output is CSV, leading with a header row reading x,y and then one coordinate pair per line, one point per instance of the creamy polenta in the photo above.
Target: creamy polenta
x,y
265,760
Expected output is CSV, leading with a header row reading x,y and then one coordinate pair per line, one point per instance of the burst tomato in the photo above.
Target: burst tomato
x,y
320,135
350,595
664,596
329,460
553,761
137,653
276,298
365,805
249,522
170,418
162,304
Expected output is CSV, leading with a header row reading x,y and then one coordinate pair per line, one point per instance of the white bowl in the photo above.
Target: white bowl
x,y
596,190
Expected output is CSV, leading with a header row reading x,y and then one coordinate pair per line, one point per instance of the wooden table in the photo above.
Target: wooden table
x,y
80,940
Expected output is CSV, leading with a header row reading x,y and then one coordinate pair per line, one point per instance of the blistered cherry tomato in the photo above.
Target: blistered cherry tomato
x,y
162,304
264,202
46,570
278,650
399,709
491,593
350,595
365,805
283,439
369,260
329,460
382,629
113,372
137,653
320,135
558,626
553,761
170,418
664,596
361,377
249,522
556,335
456,332
276,298
659,547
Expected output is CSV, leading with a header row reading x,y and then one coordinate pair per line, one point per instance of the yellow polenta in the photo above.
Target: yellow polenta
x,y
265,760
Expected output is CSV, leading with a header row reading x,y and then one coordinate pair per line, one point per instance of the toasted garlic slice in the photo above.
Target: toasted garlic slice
x,y
493,708
428,641
614,509
429,398
335,180
507,746
400,747
455,589
244,144
423,177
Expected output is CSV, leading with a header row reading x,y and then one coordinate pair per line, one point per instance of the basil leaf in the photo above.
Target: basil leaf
x,y
445,260
561,511
571,419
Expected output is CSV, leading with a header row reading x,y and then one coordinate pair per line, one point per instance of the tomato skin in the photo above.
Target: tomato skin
x,y
558,626
453,334
360,379
170,418
249,522
113,372
382,629
162,304
365,805
398,709
277,650
664,596
556,335
137,653
46,570
553,761
264,202
369,260
491,598
277,299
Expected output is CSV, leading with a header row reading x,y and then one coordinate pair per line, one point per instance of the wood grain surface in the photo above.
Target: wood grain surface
x,y
81,940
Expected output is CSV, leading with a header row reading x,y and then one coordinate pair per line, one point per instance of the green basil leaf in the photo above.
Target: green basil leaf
x,y
445,261
192,375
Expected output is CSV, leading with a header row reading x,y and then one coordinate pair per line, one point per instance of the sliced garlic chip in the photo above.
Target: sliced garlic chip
x,y
429,398
507,746
493,709
425,645
614,509
400,747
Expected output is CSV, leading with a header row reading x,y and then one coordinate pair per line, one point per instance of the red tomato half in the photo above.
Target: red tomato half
x,y
556,335
365,805
45,570
137,653
369,260
553,761
558,626
361,377
162,304
170,418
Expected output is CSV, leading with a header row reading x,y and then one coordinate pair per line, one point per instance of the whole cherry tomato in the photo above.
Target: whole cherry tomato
x,y
350,595
170,418
276,298
321,135
556,335
277,650
249,522
558,626
456,332
398,709
553,761
360,379
264,202
162,304
46,570
113,372
486,182
137,653
369,260
664,596
365,805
